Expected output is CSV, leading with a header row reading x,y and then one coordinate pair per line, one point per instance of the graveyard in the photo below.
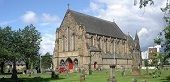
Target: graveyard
x,y
85,41
97,76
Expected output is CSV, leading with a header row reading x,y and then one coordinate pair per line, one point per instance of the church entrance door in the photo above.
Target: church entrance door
x,y
95,65
70,64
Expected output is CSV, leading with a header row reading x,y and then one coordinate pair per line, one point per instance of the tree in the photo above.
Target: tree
x,y
46,60
5,34
166,31
15,49
18,45
9,42
30,44
143,3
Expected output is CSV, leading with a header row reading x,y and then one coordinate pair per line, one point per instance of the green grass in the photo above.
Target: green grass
x,y
97,76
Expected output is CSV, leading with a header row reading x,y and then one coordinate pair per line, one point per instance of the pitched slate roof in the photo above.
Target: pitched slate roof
x,y
97,26
117,56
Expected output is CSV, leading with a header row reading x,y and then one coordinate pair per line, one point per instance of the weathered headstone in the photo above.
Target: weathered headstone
x,y
135,70
123,71
136,64
54,75
34,71
112,73
82,75
134,80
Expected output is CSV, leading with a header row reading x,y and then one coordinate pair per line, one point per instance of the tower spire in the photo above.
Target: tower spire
x,y
136,36
137,44
68,5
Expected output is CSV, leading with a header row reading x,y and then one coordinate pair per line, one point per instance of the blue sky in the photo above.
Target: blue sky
x,y
47,15
12,10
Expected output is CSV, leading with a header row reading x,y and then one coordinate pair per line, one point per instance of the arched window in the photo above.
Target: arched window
x,y
106,44
92,41
111,46
76,61
72,45
115,46
63,45
101,44
68,38
62,62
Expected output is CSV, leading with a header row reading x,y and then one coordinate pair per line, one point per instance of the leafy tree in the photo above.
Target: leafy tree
x,y
15,50
143,3
165,42
5,33
146,65
46,60
9,42
18,45
30,44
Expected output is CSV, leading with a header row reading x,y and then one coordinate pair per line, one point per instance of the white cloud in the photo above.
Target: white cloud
x,y
29,17
49,19
143,32
47,44
147,21
145,55
48,34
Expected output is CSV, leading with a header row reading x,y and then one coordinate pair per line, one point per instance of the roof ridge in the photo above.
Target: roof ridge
x,y
97,25
91,16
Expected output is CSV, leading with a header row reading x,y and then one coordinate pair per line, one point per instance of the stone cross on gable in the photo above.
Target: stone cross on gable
x,y
68,5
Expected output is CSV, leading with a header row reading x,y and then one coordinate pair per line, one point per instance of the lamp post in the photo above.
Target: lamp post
x,y
90,71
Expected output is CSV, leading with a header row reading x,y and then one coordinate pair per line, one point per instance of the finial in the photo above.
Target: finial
x,y
113,20
68,5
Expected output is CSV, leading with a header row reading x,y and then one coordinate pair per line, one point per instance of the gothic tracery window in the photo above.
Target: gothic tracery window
x,y
73,42
63,45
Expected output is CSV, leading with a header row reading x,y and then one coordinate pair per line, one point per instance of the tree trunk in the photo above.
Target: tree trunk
x,y
14,72
27,65
2,67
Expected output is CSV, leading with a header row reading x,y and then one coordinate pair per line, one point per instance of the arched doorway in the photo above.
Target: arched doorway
x,y
62,62
76,61
69,63
95,65
75,64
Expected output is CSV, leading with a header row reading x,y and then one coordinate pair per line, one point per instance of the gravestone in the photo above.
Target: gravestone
x,y
54,75
112,73
136,63
34,71
123,70
82,75
135,70
134,80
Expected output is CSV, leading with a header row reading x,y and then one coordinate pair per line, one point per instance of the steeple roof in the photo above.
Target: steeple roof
x,y
136,37
97,26
136,40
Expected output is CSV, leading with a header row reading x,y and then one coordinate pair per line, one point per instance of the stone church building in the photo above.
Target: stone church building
x,y
83,40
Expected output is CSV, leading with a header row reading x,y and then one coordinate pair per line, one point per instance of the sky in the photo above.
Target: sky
x,y
46,16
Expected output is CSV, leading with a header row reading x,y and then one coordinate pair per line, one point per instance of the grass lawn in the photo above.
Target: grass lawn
x,y
100,76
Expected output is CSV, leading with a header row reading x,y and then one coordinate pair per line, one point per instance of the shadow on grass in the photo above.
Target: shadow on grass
x,y
10,73
35,79
167,79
